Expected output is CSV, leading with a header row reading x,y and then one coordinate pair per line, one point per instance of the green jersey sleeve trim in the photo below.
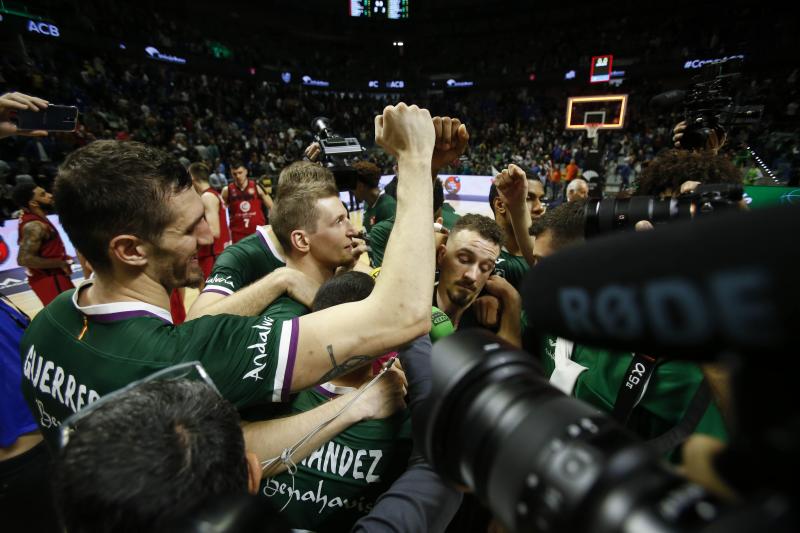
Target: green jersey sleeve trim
x,y
287,354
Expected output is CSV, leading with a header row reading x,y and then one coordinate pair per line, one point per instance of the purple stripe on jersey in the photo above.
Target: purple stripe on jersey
x,y
325,392
218,291
125,315
287,375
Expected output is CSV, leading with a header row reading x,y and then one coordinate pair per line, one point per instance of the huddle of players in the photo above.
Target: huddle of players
x,y
480,266
252,326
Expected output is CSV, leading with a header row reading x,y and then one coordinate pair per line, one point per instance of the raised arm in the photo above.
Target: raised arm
x,y
338,339
512,184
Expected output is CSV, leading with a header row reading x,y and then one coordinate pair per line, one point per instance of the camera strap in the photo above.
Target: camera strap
x,y
632,391
694,413
633,387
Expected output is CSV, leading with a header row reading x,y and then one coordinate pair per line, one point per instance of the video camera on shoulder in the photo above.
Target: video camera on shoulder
x,y
613,214
713,103
336,152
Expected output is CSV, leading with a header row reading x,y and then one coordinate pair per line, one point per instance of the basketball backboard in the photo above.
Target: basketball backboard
x,y
607,112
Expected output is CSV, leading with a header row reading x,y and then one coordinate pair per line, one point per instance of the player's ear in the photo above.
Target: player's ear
x,y
129,250
440,253
300,241
499,206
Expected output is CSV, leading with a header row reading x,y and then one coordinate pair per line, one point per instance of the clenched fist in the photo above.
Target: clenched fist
x,y
512,184
405,131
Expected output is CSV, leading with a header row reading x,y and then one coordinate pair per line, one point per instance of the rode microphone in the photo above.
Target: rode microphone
x,y
688,290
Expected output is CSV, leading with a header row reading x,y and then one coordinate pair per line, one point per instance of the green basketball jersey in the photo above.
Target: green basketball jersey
x,y
384,209
339,482
242,263
512,267
668,395
72,355
378,239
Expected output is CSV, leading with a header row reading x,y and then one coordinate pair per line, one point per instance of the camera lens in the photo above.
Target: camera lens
x,y
540,460
612,214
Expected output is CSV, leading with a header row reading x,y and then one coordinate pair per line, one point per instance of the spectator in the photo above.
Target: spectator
x,y
577,189
24,459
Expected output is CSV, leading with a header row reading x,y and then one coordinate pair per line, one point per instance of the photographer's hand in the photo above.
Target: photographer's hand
x,y
11,102
716,139
312,151
451,141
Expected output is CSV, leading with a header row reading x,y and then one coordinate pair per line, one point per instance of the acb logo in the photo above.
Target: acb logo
x,y
452,185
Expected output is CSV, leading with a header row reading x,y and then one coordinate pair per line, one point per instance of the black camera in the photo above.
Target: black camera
x,y
546,462
335,153
612,214
710,105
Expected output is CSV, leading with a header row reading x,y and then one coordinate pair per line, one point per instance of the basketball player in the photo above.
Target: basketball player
x,y
215,216
246,200
116,329
41,250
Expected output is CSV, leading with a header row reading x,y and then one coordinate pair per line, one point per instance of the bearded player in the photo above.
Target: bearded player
x,y
41,250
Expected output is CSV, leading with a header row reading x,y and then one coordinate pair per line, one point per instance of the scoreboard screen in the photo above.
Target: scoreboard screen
x,y
601,69
379,9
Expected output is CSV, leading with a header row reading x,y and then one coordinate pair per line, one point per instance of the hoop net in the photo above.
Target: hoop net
x,y
591,130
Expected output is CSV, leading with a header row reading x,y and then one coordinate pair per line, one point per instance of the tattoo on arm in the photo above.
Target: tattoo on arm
x,y
32,237
344,367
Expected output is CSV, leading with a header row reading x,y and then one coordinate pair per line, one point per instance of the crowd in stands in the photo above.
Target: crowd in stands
x,y
221,119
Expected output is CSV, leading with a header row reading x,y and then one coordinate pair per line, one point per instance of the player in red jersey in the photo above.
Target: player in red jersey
x,y
41,250
245,199
215,216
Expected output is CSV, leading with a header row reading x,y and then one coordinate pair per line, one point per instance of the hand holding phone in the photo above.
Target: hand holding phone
x,y
21,114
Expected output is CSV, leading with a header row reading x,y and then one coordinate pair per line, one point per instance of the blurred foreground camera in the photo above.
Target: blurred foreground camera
x,y
612,214
336,152
546,462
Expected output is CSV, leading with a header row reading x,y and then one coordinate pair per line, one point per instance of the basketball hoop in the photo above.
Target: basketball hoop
x,y
591,130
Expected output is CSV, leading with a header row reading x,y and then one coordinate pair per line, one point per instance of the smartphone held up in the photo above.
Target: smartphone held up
x,y
60,118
